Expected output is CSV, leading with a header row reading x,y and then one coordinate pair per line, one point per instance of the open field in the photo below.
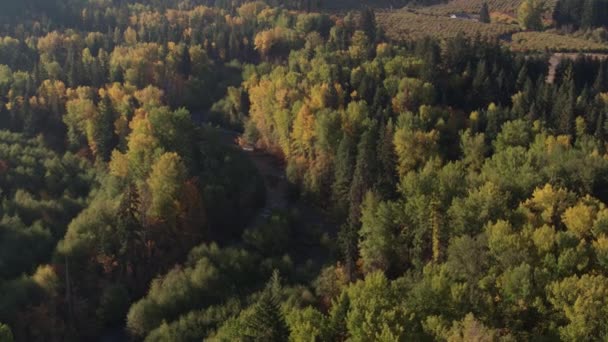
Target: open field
x,y
508,7
340,5
411,24
406,25
541,41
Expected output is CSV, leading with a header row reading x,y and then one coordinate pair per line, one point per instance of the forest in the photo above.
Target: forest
x,y
187,170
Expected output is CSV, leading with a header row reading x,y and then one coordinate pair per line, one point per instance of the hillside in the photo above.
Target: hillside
x,y
269,170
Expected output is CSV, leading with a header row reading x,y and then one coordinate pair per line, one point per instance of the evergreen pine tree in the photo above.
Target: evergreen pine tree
x,y
130,232
436,224
367,23
601,84
565,106
103,129
522,76
484,14
343,174
266,322
387,162
481,84
337,317
348,238
588,15
600,128
363,176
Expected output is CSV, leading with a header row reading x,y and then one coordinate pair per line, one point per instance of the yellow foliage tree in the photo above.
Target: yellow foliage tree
x,y
166,182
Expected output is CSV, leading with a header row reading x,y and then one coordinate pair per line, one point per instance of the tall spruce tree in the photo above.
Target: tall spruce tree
x,y
266,322
484,14
367,23
364,174
387,162
343,174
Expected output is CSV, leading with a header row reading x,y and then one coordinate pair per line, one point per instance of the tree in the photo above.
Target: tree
x,y
470,329
343,174
185,62
387,162
5,333
375,310
582,301
129,229
166,182
363,176
337,317
414,148
360,47
530,14
473,148
484,14
143,148
367,23
565,105
266,321
100,129
308,324
381,244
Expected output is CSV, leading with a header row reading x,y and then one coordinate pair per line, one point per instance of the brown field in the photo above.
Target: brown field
x,y
343,5
508,7
407,25
541,41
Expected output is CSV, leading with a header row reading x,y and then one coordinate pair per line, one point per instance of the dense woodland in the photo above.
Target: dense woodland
x,y
581,14
462,196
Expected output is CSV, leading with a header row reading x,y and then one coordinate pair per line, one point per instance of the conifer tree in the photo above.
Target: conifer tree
x,y
387,162
185,63
565,106
367,23
102,129
363,176
266,322
484,14
343,174
601,83
337,317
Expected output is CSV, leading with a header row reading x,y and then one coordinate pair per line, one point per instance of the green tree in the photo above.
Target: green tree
x,y
266,321
484,13
530,14
582,301
166,182
367,23
470,329
343,173
381,245
337,317
100,129
387,162
6,334
308,324
375,310
363,176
